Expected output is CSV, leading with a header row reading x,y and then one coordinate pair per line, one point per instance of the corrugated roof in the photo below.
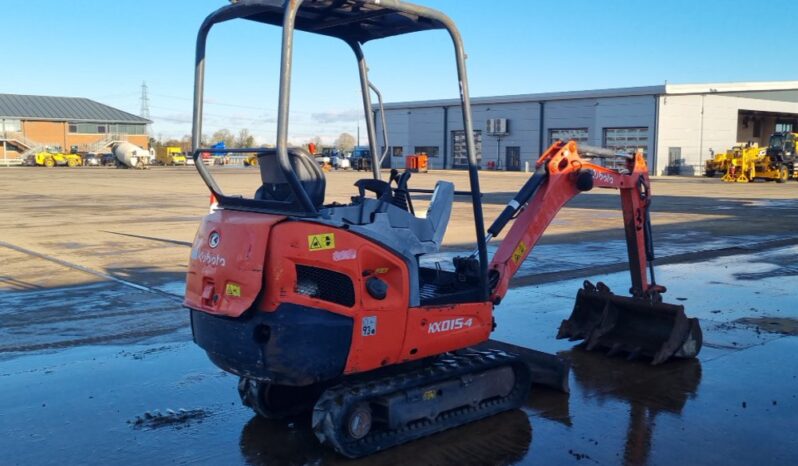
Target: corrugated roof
x,y
546,96
40,107
667,89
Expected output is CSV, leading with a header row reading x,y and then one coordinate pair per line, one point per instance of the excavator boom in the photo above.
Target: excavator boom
x,y
641,324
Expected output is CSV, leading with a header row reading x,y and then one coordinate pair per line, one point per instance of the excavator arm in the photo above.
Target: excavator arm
x,y
638,325
560,175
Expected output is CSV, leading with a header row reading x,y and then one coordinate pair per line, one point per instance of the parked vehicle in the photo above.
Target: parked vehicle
x,y
170,155
91,160
337,158
53,156
361,159
107,160
130,155
340,162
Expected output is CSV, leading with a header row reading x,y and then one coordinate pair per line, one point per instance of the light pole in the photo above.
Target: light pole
x,y
498,152
5,147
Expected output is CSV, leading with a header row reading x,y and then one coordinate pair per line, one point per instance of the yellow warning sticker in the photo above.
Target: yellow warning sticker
x,y
233,289
518,254
321,241
381,270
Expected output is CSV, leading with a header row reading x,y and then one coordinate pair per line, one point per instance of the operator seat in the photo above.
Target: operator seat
x,y
395,227
275,186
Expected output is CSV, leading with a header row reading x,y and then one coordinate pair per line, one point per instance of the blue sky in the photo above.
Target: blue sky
x,y
104,50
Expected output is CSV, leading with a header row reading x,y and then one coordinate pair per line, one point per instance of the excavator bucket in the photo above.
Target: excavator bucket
x,y
634,326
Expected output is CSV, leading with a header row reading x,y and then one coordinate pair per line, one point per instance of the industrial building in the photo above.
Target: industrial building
x,y
31,123
678,126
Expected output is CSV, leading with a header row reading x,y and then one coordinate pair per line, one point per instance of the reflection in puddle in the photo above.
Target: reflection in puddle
x,y
501,439
646,389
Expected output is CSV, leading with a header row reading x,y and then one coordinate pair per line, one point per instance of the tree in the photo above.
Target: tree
x,y
223,135
345,142
244,139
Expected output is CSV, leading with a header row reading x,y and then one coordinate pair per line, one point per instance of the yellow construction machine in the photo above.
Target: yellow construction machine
x,y
782,148
718,164
751,162
52,156
251,160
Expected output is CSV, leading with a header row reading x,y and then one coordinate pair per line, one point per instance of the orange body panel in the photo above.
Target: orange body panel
x,y
435,330
245,259
225,271
401,334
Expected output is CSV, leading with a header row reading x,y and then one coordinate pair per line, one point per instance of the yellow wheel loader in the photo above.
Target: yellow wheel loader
x,y
52,157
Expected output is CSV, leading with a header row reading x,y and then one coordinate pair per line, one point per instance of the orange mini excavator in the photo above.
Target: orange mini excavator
x,y
327,309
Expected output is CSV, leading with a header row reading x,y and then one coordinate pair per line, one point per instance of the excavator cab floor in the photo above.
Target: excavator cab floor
x,y
634,326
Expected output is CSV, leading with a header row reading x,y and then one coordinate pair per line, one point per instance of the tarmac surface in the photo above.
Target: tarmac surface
x,y
94,339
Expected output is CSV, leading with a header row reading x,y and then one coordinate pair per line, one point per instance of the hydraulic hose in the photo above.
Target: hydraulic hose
x,y
521,198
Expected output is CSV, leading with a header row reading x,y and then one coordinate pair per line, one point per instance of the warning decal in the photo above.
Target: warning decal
x,y
233,289
321,241
369,326
519,252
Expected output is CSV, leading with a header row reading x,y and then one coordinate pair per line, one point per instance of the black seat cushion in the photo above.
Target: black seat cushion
x,y
275,186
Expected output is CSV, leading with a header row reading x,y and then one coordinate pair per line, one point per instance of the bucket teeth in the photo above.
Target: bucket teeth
x,y
637,326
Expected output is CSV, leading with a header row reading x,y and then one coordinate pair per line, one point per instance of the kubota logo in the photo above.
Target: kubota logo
x,y
208,258
213,239
603,177
450,324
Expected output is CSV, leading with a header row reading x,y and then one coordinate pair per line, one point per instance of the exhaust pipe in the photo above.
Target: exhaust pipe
x,y
630,325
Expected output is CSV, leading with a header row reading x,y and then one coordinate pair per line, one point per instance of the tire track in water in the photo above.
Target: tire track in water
x,y
82,268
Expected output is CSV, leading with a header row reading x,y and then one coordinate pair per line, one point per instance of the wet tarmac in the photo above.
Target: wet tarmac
x,y
97,364
80,383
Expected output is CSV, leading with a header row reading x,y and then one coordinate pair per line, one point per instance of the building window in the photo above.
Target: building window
x,y
101,128
9,126
580,135
782,127
397,151
128,129
627,140
431,151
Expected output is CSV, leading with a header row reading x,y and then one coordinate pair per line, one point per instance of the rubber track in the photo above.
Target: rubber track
x,y
334,404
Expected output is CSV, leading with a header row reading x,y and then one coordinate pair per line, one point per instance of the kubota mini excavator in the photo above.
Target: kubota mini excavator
x,y
325,308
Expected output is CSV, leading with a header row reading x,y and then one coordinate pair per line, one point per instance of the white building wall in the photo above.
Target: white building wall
x,y
424,126
398,122
694,123
426,129
569,114
698,123
679,127
524,126
626,112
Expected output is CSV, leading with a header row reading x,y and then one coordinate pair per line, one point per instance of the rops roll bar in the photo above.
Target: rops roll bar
x,y
355,22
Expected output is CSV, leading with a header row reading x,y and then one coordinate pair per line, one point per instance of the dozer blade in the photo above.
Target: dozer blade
x,y
548,370
634,326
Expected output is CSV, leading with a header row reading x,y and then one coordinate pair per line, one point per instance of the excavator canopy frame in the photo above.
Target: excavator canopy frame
x,y
355,22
